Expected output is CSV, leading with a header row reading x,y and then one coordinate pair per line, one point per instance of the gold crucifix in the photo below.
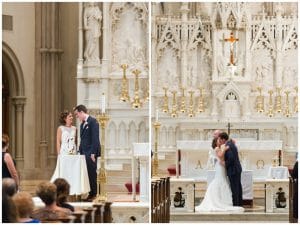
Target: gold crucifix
x,y
231,40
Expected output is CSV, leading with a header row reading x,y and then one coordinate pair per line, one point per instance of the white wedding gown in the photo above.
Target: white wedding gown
x,y
68,135
218,195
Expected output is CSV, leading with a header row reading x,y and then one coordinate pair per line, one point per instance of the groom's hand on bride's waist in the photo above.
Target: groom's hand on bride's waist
x,y
93,157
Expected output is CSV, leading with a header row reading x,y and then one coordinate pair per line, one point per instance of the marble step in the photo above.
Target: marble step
x,y
229,217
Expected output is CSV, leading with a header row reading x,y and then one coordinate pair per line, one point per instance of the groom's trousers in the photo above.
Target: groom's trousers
x,y
236,189
92,173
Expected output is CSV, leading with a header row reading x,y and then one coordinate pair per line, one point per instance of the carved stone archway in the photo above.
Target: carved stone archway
x,y
16,103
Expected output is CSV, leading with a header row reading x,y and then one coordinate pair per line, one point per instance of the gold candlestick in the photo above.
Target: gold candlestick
x,y
182,106
101,177
296,100
270,111
136,103
201,107
287,105
260,101
166,101
191,107
124,93
278,106
174,105
156,125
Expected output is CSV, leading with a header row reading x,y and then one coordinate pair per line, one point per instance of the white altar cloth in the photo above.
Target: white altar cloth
x,y
73,169
278,172
246,180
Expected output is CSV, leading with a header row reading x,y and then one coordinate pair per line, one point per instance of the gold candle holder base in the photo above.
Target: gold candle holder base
x,y
101,177
156,125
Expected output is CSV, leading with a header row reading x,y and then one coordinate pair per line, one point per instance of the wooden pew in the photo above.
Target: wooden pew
x,y
79,216
90,214
160,200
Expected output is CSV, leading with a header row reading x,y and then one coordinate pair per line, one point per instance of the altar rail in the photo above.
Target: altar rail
x,y
160,200
98,213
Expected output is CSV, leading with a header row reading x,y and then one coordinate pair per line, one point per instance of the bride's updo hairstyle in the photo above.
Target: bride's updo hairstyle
x,y
63,117
214,143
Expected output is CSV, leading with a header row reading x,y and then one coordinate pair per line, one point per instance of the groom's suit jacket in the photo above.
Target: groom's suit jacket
x,y
232,162
89,137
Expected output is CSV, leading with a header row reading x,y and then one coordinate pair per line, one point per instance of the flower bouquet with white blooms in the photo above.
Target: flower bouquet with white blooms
x,y
71,146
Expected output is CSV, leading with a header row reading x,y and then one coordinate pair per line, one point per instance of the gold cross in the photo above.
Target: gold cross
x,y
231,40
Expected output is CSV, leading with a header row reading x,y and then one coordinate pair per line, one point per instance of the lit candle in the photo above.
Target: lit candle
x,y
156,117
103,103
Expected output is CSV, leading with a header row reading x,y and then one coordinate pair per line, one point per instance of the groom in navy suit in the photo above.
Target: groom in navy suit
x,y
233,169
89,145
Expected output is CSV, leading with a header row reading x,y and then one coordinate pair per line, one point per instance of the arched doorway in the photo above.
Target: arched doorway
x,y
13,101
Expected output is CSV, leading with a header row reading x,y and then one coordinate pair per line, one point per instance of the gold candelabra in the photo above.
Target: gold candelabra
x,y
174,105
124,97
287,105
260,101
156,125
191,106
101,177
201,107
182,106
166,101
124,93
270,110
296,100
278,107
136,103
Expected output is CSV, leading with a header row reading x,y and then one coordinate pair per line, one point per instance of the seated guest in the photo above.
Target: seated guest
x,y
8,165
24,205
9,187
47,192
9,211
63,191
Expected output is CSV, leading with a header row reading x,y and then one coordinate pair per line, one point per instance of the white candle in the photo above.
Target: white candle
x,y
103,103
156,117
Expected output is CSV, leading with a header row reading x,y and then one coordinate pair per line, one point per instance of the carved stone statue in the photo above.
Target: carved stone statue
x,y
92,25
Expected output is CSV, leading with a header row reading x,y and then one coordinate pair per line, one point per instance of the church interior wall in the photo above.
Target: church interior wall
x,y
24,30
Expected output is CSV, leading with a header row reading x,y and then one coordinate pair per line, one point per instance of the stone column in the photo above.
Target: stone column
x,y
248,63
184,42
278,41
106,38
19,102
144,179
214,54
214,111
80,36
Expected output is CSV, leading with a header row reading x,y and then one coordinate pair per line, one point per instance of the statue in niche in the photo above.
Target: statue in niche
x,y
221,65
262,76
92,25
288,78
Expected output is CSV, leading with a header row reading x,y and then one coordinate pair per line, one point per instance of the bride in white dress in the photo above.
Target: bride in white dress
x,y
218,194
66,135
